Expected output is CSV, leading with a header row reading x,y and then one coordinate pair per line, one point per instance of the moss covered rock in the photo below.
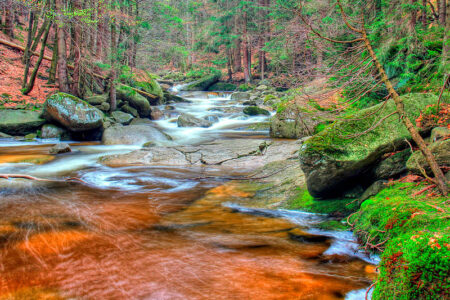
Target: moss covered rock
x,y
97,99
20,122
295,122
203,83
50,131
223,87
72,113
335,159
139,102
256,111
151,87
441,150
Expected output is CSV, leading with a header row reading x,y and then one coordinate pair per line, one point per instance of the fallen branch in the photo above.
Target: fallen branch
x,y
22,176
368,290
423,190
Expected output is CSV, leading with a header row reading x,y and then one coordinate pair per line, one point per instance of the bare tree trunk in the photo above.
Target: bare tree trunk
x,y
439,175
413,17
446,45
54,63
424,13
237,63
30,85
9,19
247,74
76,44
112,91
27,53
442,8
63,78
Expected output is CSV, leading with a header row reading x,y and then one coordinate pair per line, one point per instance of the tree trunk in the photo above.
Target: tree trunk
x,y
30,84
52,72
27,54
63,78
230,72
439,175
112,91
76,44
442,8
247,74
446,46
9,19
413,17
38,37
424,13
237,63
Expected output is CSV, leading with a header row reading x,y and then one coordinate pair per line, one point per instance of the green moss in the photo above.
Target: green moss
x,y
415,232
337,207
245,87
223,86
343,140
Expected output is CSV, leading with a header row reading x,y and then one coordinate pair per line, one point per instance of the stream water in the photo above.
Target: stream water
x,y
159,232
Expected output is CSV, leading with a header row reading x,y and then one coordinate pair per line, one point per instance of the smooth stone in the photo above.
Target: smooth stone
x,y
133,135
122,117
187,120
60,148
50,131
20,122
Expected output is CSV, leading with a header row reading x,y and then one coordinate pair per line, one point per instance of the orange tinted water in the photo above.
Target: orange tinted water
x,y
148,242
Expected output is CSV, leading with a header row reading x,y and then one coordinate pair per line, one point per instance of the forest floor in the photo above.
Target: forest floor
x,y
11,77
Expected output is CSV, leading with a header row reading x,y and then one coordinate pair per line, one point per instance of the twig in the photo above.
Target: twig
x,y
22,176
446,81
368,290
423,190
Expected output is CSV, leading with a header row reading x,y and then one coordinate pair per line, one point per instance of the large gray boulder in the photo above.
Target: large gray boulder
x,y
441,150
20,122
337,158
50,131
133,135
139,102
72,113
187,120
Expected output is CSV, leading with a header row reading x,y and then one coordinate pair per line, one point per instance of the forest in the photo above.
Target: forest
x,y
224,149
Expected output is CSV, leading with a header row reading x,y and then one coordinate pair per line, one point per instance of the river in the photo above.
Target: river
x,y
159,232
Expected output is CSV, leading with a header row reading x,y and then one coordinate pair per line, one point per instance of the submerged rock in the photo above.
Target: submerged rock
x,y
139,102
72,112
335,159
187,120
60,148
133,135
240,96
20,122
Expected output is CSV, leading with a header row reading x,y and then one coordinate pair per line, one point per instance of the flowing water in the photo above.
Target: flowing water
x,y
137,232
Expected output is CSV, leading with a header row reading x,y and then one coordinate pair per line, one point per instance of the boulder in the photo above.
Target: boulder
x,y
222,87
335,159
240,96
4,135
139,102
50,131
60,148
105,107
203,83
392,166
139,121
187,120
249,103
72,113
295,122
156,114
121,117
439,133
97,99
153,88
256,111
262,87
441,151
133,135
130,110
20,122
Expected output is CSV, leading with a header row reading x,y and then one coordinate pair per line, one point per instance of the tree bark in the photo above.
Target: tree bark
x,y
247,74
424,13
439,175
9,19
442,7
446,45
413,17
30,85
63,78
54,62
27,54
76,44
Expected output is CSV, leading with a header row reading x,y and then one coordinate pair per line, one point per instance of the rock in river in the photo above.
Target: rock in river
x,y
72,112
139,102
337,158
256,111
122,117
133,135
187,120
20,122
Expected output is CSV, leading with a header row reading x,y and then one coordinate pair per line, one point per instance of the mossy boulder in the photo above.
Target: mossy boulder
x,y
97,99
203,83
139,102
256,111
20,122
335,159
240,96
151,87
122,117
441,150
50,131
295,122
223,87
72,113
